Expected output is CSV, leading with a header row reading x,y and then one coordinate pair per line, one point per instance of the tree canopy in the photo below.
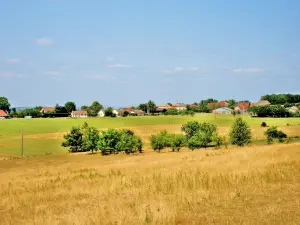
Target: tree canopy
x,y
4,104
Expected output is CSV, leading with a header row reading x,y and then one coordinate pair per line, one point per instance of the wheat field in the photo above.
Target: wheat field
x,y
251,185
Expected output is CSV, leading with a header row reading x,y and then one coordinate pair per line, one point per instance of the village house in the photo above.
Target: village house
x,y
47,110
3,114
223,110
242,107
101,113
262,103
164,106
293,109
215,105
79,114
179,106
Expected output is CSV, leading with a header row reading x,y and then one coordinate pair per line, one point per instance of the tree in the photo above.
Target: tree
x,y
151,106
126,113
240,133
90,139
70,106
272,132
29,112
177,141
160,141
143,107
108,141
95,108
73,140
60,109
190,128
4,104
109,112
85,108
232,103
129,142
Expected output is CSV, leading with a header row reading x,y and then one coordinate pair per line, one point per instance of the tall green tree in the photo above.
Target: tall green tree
x,y
60,109
109,112
143,107
4,104
73,140
190,128
240,133
90,139
70,106
151,106
95,108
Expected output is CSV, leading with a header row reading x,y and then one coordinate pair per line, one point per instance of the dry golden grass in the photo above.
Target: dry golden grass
x,y
251,185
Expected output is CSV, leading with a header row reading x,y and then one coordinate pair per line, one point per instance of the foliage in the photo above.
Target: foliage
x,y
74,140
70,106
272,132
160,141
95,108
190,128
90,139
60,109
240,133
209,100
4,104
109,112
35,113
177,141
232,103
269,111
263,124
151,106
281,98
143,107
113,141
126,113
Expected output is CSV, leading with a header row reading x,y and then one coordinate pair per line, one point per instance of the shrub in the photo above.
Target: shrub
x,y
190,128
240,133
177,141
108,141
263,124
73,140
272,132
90,139
160,141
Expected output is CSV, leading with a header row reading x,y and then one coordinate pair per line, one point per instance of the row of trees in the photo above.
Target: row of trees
x,y
275,99
271,111
88,138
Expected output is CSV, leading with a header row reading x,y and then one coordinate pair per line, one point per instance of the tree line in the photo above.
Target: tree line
x,y
195,135
282,99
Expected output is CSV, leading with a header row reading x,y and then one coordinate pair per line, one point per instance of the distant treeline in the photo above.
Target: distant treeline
x,y
276,99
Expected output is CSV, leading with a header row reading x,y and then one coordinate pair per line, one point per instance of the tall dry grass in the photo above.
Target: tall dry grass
x,y
252,185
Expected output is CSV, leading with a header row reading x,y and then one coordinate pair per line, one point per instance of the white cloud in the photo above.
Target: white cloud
x,y
13,60
44,41
6,74
248,70
194,68
109,59
52,72
100,77
178,69
119,66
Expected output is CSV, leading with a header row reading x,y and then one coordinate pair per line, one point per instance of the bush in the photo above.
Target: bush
x,y
272,132
160,141
240,133
177,141
263,124
190,128
74,140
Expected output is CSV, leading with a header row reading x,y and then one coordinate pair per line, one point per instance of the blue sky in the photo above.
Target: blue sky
x,y
126,52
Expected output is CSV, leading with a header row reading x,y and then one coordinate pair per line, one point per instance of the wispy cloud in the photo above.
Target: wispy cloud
x,y
52,72
100,77
248,70
180,69
13,60
109,59
44,41
119,66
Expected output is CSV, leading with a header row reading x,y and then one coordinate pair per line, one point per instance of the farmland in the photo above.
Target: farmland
x,y
44,136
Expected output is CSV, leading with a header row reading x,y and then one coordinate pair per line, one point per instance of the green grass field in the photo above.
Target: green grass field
x,y
43,136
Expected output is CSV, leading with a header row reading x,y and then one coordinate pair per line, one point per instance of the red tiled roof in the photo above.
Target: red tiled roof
x,y
217,104
3,114
243,105
48,109
80,112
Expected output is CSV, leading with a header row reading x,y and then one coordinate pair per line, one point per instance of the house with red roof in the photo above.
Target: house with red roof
x,y
3,114
215,105
242,107
47,109
79,114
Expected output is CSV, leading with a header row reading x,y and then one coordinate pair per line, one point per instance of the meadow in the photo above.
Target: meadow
x,y
257,184
44,136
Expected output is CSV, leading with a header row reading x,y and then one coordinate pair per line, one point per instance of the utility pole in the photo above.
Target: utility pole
x,y
22,144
